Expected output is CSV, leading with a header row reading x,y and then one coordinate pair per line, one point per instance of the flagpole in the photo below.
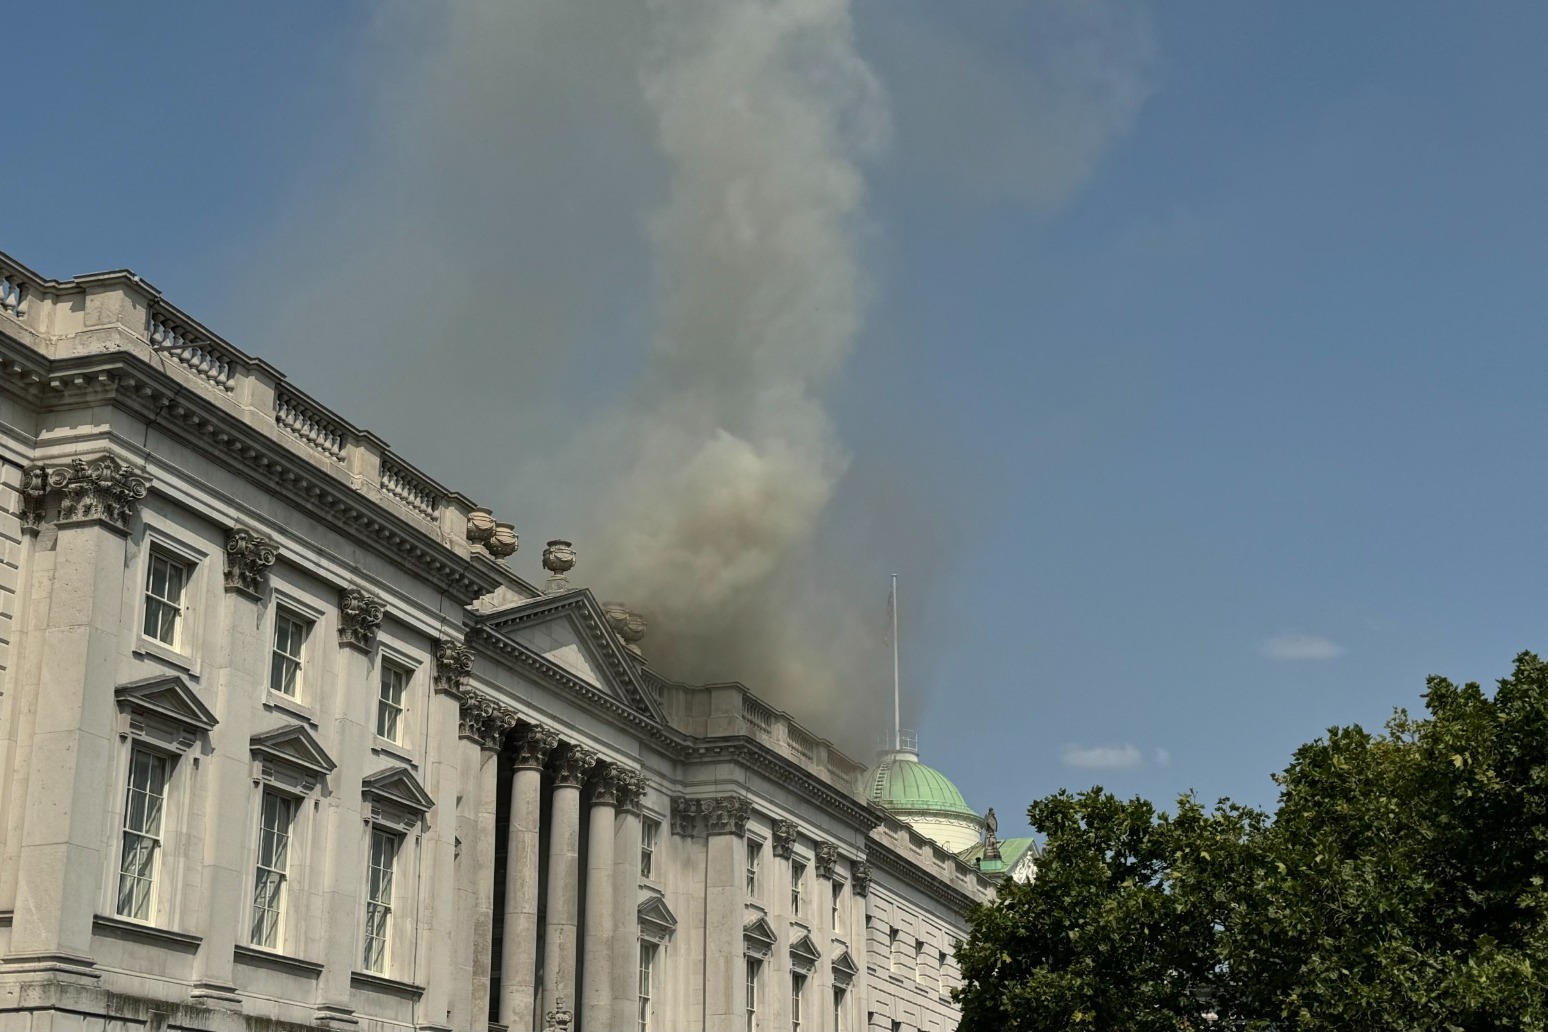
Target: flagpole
x,y
897,719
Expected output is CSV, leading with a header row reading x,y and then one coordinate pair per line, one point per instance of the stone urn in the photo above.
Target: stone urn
x,y
481,523
502,540
559,557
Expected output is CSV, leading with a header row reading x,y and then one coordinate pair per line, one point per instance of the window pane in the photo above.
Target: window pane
x,y
164,582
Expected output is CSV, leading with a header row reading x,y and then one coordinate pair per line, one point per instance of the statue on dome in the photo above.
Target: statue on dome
x,y
991,842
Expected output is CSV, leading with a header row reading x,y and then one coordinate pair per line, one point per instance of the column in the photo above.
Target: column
x,y
725,958
597,1003
494,728
518,961
626,895
473,712
569,765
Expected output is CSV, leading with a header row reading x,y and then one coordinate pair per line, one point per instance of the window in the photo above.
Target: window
x,y
797,879
389,703
754,967
838,1008
754,854
273,860
290,633
165,581
384,853
838,897
892,949
143,802
647,969
797,984
648,830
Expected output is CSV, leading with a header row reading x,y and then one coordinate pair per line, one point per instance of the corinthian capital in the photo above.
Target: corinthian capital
x,y
98,490
359,617
631,790
495,726
533,744
248,558
570,762
453,666
607,783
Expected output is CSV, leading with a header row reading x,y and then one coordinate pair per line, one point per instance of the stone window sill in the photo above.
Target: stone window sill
x,y
387,747
278,702
295,965
367,980
150,648
144,932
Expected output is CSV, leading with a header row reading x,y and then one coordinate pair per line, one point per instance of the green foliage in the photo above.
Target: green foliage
x,y
1398,886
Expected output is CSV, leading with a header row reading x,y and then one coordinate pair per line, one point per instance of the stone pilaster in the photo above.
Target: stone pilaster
x,y
597,1003
569,765
724,894
626,897
518,958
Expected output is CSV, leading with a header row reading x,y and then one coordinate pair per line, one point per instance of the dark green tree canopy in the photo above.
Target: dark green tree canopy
x,y
1398,885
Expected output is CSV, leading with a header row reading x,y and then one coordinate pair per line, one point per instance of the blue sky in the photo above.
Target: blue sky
x,y
1196,403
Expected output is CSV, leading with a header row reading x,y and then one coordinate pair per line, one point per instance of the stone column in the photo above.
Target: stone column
x,y
626,896
569,765
494,728
725,820
597,1003
518,959
473,867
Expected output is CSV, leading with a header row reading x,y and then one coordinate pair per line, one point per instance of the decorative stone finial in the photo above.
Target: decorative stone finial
x,y
248,558
558,560
502,542
481,523
627,624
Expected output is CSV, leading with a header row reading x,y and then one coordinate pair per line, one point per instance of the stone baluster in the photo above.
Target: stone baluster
x,y
569,764
518,960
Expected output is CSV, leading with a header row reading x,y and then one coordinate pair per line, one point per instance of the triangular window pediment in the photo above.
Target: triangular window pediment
x,y
293,745
398,787
657,922
804,953
758,936
168,697
844,968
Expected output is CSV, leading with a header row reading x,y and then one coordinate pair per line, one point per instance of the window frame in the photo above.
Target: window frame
x,y
288,613
149,903
391,663
754,975
380,899
798,980
158,552
798,869
277,927
650,954
650,832
754,864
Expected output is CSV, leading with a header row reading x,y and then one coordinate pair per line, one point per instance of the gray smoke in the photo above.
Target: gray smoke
x,y
600,266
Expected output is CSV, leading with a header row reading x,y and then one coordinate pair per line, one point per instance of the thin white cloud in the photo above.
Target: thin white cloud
x,y
1101,757
1299,647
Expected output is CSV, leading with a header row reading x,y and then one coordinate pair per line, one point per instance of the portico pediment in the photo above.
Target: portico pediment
x,y
567,638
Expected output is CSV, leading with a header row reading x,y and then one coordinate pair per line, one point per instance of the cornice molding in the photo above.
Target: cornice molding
x,y
898,865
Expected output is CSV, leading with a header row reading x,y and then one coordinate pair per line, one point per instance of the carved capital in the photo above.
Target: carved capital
x,y
569,763
453,666
98,490
494,727
726,815
784,839
685,815
631,791
360,615
826,860
860,877
533,744
248,558
607,782
474,710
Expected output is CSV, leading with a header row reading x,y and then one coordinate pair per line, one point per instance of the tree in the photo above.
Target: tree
x,y
1398,886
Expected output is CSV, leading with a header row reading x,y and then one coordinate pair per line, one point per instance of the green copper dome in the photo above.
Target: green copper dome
x,y
904,784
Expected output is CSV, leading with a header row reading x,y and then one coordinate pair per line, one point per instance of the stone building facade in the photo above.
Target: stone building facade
x,y
284,741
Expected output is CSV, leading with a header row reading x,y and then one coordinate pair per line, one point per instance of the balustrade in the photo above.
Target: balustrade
x,y
315,429
199,355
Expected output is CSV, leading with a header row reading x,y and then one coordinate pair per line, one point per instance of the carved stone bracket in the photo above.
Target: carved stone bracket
x,y
784,839
631,791
99,490
570,763
533,744
826,860
860,877
453,666
727,815
360,615
248,558
607,783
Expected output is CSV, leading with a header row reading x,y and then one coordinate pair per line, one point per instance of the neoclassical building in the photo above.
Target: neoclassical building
x,y
285,743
